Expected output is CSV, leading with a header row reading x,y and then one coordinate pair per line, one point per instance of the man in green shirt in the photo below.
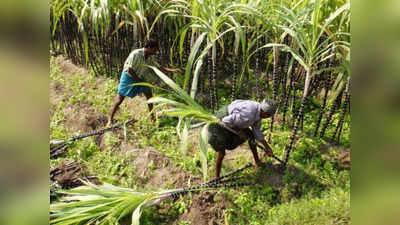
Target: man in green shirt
x,y
135,70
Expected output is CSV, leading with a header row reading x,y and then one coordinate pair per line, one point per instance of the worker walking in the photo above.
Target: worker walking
x,y
135,71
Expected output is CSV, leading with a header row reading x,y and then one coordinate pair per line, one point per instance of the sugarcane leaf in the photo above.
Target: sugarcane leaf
x,y
136,214
191,59
196,78
185,136
81,211
144,84
189,105
203,153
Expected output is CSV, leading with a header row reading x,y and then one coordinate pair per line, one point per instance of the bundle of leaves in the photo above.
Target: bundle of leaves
x,y
182,105
107,204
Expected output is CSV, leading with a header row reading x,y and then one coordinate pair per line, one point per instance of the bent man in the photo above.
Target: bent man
x,y
233,129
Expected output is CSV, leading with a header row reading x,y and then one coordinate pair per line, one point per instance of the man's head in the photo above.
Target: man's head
x,y
268,108
150,47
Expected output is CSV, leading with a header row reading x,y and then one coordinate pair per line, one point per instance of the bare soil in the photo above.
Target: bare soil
x,y
342,159
68,68
83,117
158,170
206,209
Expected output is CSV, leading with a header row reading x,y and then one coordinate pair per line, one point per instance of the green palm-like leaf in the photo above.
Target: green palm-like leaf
x,y
102,204
107,204
187,107
191,59
203,150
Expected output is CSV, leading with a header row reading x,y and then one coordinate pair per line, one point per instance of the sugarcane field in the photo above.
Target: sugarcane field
x,y
200,112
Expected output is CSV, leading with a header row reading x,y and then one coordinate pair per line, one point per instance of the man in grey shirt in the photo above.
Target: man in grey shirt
x,y
233,129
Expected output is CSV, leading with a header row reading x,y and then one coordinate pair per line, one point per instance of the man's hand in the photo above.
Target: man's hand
x,y
177,70
268,149
133,74
269,152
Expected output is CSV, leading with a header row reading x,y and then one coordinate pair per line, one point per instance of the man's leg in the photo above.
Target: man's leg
x,y
253,147
220,157
150,105
118,100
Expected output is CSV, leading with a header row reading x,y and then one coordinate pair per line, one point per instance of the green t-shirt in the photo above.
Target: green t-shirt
x,y
138,62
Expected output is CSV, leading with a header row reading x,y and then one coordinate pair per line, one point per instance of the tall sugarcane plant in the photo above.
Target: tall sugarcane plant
x,y
310,50
346,109
275,77
289,86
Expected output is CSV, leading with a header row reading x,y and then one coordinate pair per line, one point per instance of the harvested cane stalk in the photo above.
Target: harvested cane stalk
x,y
58,146
215,183
273,156
174,194
240,135
229,174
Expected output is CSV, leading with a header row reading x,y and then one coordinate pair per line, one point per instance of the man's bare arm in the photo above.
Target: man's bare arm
x,y
267,147
133,74
166,69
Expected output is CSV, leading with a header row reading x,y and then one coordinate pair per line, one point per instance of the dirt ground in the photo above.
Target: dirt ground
x,y
159,170
69,175
206,209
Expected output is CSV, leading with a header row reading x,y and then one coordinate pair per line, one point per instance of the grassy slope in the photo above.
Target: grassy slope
x,y
314,192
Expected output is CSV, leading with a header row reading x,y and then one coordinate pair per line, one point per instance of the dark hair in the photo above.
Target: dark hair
x,y
271,102
271,109
151,44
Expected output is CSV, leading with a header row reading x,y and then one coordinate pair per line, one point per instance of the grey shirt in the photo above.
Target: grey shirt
x,y
243,114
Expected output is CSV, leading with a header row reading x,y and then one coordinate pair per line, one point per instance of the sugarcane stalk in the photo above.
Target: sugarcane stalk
x,y
296,126
235,74
287,95
343,114
273,156
210,82
58,151
229,174
214,76
334,106
257,69
59,143
215,183
327,81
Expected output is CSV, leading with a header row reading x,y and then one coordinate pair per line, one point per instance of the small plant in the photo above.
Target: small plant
x,y
112,168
